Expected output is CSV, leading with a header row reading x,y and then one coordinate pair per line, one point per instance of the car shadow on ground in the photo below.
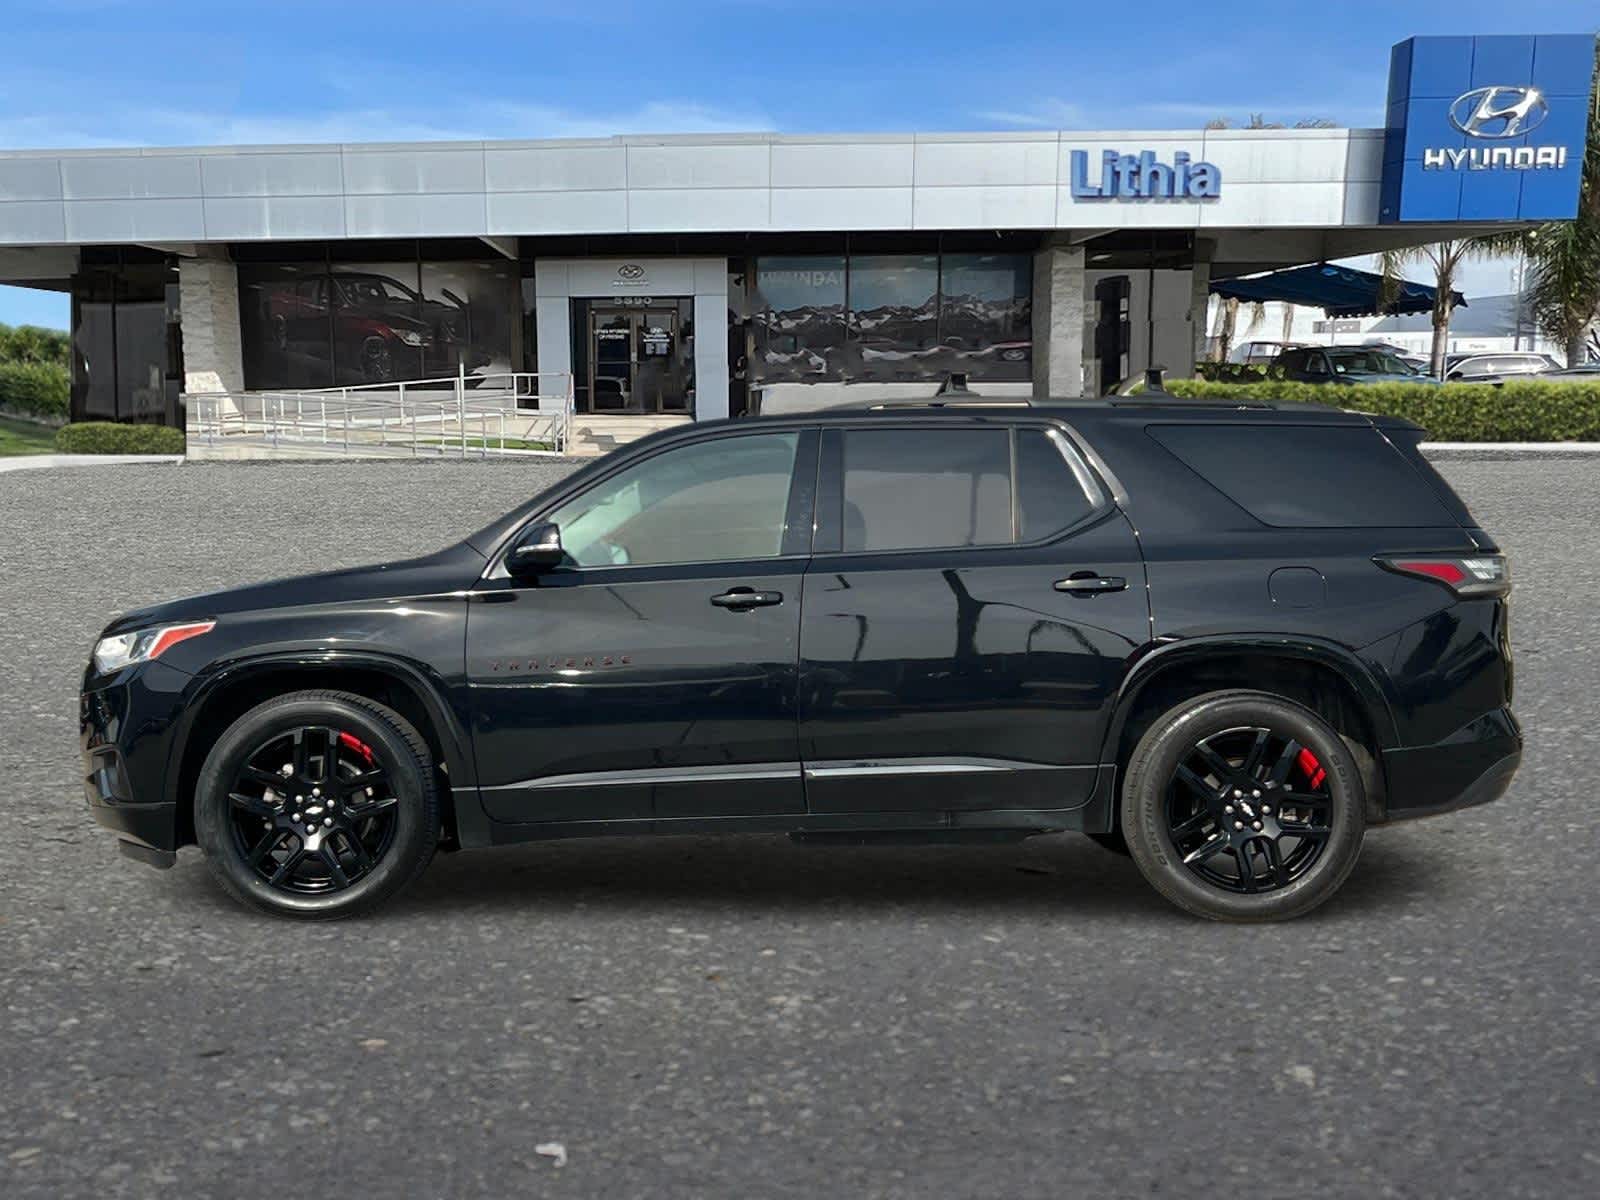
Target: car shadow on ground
x,y
1042,877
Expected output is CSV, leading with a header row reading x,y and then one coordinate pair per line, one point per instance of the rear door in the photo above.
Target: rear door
x,y
972,597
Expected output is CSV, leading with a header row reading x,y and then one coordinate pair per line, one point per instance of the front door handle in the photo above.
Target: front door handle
x,y
741,598
1086,583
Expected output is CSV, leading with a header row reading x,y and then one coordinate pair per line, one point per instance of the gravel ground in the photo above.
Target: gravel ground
x,y
746,1017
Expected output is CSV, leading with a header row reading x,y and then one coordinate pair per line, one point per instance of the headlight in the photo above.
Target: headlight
x,y
141,645
410,337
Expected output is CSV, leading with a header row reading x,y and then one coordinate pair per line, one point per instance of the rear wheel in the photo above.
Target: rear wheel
x,y
317,805
1243,806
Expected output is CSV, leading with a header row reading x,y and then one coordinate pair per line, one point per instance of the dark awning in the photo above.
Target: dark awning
x,y
1338,291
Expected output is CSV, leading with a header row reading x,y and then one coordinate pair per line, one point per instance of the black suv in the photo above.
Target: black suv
x,y
1226,640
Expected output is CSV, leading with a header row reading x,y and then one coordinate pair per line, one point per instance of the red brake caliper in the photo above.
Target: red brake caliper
x,y
1308,763
351,742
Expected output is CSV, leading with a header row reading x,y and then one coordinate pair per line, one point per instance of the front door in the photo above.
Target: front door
x,y
971,601
653,674
637,361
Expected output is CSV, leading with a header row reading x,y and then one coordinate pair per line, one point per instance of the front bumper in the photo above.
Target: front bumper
x,y
1472,766
126,722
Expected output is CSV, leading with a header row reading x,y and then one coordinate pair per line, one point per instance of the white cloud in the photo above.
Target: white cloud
x,y
1047,113
465,119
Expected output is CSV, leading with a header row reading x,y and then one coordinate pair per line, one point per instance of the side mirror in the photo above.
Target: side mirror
x,y
538,549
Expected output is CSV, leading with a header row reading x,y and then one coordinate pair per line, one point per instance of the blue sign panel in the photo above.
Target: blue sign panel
x,y
1486,128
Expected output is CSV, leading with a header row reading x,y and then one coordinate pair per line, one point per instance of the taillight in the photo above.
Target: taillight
x,y
1480,575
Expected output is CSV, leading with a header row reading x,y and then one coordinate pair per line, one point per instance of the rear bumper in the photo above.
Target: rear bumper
x,y
1472,766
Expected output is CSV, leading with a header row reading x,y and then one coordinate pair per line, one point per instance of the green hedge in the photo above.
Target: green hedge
x,y
34,389
1530,411
108,437
1227,372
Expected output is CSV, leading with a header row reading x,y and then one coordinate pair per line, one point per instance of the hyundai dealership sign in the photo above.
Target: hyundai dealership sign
x,y
1486,128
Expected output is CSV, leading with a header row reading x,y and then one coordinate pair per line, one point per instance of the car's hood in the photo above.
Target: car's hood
x,y
450,570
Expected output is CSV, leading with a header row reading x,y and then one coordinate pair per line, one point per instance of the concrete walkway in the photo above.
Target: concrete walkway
x,y
23,462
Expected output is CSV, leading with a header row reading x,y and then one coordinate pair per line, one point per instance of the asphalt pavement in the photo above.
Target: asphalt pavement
x,y
745,1017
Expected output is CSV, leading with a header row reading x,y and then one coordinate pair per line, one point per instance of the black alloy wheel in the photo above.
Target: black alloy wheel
x,y
1244,806
317,804
312,810
1248,809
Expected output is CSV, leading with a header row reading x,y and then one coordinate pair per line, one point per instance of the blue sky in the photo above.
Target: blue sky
x,y
173,72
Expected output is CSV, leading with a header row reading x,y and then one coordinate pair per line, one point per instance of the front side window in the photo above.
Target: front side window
x,y
717,501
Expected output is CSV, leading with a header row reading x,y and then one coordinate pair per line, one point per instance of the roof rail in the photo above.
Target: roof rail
x,y
936,402
954,393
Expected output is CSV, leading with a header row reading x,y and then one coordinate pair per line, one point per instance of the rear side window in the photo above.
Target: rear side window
x,y
926,488
1307,476
1051,494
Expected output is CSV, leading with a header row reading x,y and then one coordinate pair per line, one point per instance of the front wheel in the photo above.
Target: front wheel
x,y
317,805
1243,806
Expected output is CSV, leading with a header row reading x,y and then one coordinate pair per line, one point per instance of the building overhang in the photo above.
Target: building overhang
x,y
756,183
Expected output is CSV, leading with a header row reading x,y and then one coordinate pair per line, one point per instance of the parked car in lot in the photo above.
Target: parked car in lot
x,y
1259,353
1228,639
1490,368
1342,364
1417,362
1584,373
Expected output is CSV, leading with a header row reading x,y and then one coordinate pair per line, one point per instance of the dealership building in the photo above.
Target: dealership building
x,y
710,275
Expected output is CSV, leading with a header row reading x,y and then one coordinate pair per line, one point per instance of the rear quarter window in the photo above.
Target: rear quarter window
x,y
1308,476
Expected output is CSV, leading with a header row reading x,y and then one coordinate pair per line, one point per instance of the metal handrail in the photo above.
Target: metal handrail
x,y
400,416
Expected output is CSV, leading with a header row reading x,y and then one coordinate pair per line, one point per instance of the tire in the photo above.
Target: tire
x,y
1191,813
370,834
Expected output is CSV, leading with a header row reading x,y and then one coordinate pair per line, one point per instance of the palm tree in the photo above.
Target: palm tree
x,y
1445,258
1564,256
1227,322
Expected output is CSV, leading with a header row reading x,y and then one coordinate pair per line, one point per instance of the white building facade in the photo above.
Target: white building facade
x,y
703,275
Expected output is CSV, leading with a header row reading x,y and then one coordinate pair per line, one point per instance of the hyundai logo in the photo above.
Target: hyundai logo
x,y
630,271
1499,112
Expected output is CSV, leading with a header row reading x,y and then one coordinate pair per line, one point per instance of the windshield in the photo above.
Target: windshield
x,y
1367,362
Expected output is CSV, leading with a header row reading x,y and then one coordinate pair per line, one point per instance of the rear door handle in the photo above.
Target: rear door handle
x,y
741,598
1086,584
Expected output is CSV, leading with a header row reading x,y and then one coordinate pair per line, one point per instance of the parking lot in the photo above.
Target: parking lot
x,y
749,1017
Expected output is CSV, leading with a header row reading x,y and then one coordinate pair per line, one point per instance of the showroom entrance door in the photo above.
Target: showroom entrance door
x,y
637,361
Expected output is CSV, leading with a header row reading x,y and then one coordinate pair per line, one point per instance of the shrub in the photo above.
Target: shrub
x,y
34,389
32,344
1519,411
1227,372
108,437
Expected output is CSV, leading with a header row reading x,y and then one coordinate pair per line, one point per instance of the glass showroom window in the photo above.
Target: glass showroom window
x,y
894,315
799,319
321,324
910,317
985,315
